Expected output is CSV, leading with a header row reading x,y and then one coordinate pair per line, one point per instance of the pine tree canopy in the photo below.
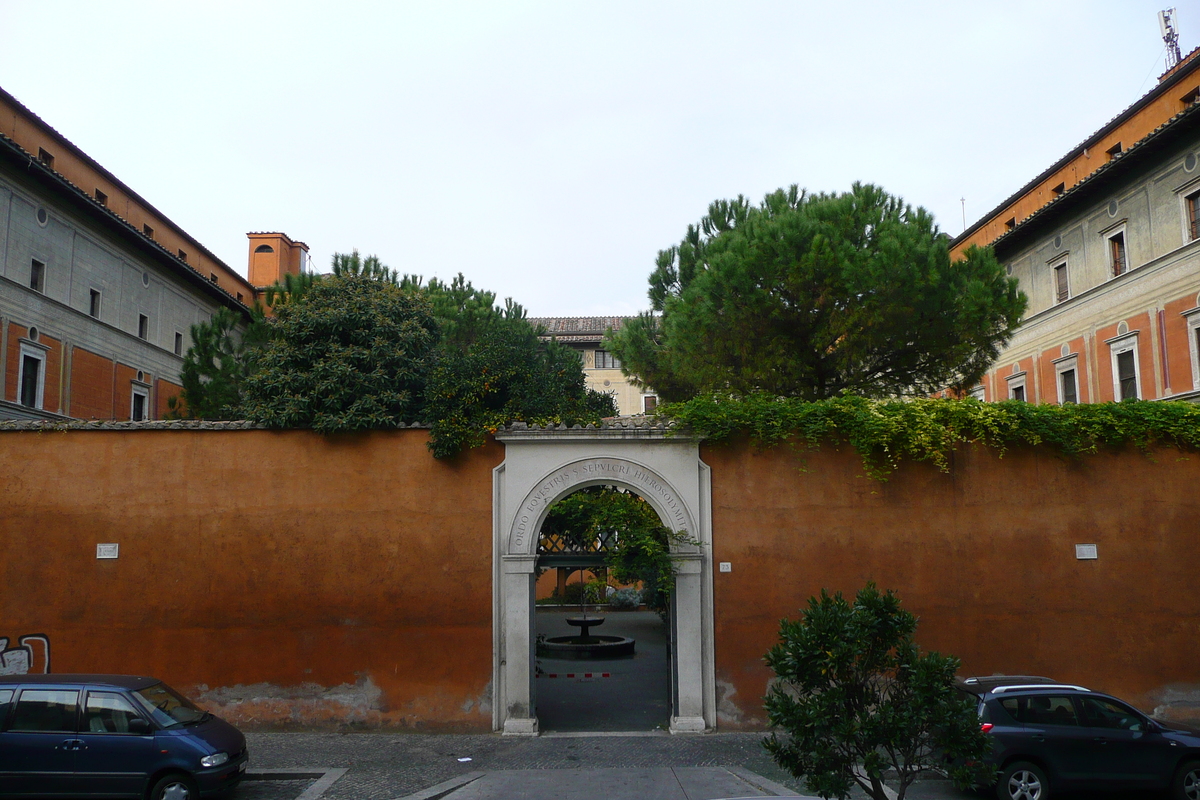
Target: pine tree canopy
x,y
814,295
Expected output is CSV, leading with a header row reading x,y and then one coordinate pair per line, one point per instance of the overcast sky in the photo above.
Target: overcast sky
x,y
548,150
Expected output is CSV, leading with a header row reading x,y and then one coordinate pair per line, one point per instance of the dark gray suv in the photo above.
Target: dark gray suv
x,y
1048,736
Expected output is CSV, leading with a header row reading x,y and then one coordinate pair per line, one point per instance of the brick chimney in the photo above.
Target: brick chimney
x,y
273,255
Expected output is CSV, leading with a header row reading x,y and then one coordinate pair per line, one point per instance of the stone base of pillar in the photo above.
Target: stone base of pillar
x,y
520,727
688,725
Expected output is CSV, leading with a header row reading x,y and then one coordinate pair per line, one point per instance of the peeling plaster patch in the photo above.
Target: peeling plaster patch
x,y
482,703
1177,701
727,710
360,702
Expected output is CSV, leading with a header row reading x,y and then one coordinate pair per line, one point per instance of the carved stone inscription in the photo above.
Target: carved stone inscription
x,y
639,479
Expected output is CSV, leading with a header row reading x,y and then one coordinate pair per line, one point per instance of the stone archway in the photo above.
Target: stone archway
x,y
541,466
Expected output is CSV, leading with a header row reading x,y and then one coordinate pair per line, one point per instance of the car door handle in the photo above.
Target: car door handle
x,y
1100,740
1037,737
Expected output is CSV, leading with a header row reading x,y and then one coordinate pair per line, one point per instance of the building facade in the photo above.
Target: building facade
x,y
1106,245
99,289
601,369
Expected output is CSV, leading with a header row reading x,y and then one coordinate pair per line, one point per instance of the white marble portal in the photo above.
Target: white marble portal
x,y
543,466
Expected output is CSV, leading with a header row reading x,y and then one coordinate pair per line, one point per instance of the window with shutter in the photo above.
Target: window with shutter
x,y
1067,391
1120,264
1127,376
1061,290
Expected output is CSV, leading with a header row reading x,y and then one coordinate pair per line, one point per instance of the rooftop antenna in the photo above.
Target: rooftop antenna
x,y
1170,35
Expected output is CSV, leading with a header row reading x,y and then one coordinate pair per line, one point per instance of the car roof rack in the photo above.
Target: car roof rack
x,y
1026,686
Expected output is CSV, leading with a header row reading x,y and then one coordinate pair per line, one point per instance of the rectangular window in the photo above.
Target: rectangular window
x,y
101,198
1116,249
45,157
138,404
239,297
143,326
1114,151
1127,376
178,343
49,710
1057,190
37,276
1018,393
1061,289
649,403
146,229
1193,217
94,303
108,712
183,255
1066,384
606,360
212,276
31,381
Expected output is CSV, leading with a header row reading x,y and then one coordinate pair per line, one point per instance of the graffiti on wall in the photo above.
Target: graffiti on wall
x,y
30,656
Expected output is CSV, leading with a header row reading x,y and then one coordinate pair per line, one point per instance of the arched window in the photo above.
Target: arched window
x,y
264,248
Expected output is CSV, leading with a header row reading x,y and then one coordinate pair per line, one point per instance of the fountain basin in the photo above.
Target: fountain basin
x,y
584,647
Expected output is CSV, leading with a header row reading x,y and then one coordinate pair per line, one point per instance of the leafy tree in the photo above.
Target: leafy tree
x,y
814,295
214,368
855,697
353,354
506,374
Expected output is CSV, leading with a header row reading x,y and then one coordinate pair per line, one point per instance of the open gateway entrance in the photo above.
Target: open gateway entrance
x,y
543,466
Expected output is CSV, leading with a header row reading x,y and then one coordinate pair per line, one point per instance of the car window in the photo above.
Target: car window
x,y
168,707
1044,710
5,702
107,712
1099,713
46,710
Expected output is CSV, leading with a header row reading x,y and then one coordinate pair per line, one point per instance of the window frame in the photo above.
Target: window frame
x,y
1190,202
1055,266
37,267
609,357
95,302
143,327
37,351
1068,363
139,389
649,403
1124,343
1110,237
1192,320
1018,380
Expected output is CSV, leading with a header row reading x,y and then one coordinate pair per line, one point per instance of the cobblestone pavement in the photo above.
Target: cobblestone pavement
x,y
389,766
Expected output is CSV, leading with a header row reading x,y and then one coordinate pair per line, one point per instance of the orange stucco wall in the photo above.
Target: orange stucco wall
x,y
983,555
284,579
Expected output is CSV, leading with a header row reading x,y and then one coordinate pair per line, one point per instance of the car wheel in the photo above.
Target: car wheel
x,y
1021,780
175,786
1187,782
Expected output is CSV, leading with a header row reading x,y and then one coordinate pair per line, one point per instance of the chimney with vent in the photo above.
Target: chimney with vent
x,y
273,255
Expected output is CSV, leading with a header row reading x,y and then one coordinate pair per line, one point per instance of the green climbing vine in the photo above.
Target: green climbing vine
x,y
885,432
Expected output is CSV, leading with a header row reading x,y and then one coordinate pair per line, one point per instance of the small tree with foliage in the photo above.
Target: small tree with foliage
x,y
855,697
353,354
214,368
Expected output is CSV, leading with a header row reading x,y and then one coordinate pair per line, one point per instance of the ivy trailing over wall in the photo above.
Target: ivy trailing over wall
x,y
885,432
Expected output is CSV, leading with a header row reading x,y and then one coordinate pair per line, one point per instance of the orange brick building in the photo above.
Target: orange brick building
x,y
1106,245
98,288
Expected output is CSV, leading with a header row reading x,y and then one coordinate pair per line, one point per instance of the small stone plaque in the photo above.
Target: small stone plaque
x,y
1086,552
726,566
107,550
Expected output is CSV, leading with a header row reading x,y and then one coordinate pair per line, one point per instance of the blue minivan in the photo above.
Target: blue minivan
x,y
112,735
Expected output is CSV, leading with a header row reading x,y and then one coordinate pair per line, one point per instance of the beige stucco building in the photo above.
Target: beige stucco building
x,y
601,368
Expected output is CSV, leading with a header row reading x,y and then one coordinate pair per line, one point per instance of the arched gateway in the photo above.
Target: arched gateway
x,y
541,466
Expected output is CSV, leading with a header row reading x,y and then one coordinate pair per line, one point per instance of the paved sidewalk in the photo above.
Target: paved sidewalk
x,y
563,767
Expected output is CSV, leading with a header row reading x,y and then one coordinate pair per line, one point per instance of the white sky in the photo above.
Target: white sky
x,y
548,150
